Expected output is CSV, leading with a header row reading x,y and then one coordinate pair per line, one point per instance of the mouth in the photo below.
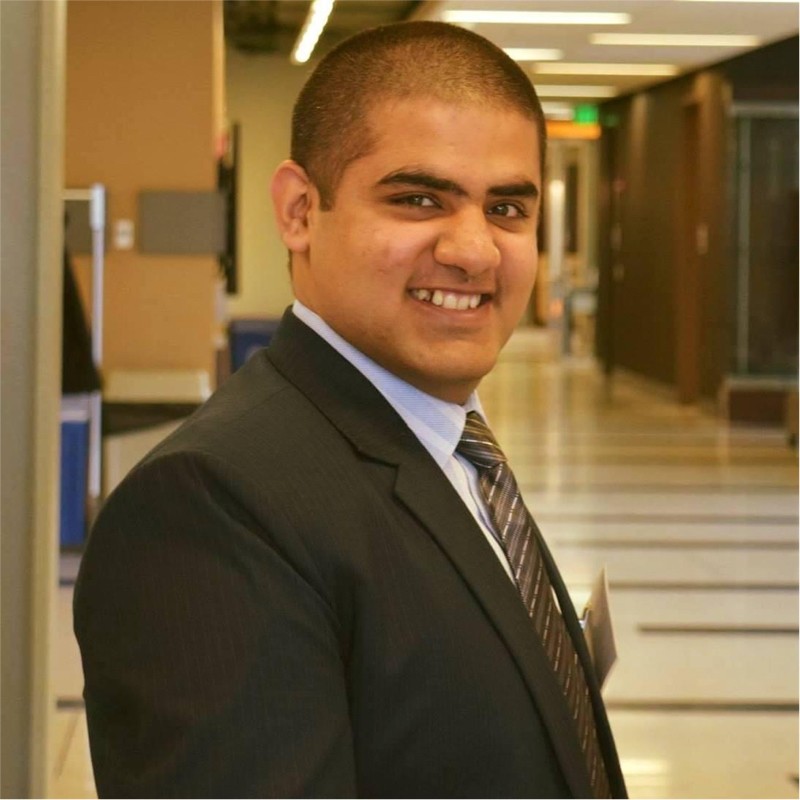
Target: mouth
x,y
454,301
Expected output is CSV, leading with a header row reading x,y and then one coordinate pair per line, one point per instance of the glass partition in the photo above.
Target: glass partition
x,y
766,246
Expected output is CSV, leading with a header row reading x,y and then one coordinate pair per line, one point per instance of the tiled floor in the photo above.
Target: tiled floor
x,y
697,524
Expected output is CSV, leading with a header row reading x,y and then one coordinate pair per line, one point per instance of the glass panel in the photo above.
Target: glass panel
x,y
767,296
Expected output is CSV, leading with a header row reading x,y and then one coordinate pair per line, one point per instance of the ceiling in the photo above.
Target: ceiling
x,y
273,26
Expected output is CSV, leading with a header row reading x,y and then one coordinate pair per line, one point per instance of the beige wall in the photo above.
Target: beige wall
x,y
144,112
33,37
261,90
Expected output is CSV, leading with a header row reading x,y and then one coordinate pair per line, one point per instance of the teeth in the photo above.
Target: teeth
x,y
448,300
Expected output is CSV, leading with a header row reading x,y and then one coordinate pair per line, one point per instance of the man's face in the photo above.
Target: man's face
x,y
427,259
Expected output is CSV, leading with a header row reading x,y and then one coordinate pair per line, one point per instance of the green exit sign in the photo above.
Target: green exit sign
x,y
586,114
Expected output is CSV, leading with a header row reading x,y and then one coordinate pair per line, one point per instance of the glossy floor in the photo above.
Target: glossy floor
x,y
697,525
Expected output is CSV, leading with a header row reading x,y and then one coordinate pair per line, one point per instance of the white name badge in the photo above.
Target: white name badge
x,y
598,630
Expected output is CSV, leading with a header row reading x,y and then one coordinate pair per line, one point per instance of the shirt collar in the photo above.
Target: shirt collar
x,y
436,423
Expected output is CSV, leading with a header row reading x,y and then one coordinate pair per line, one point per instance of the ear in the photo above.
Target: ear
x,y
293,195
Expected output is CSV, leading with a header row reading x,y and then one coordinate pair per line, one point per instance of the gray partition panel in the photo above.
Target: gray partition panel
x,y
188,223
78,231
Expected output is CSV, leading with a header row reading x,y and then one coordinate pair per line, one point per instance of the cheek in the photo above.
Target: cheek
x,y
522,266
520,279
392,254
531,273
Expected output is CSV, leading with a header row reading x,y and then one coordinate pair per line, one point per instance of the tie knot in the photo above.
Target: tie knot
x,y
478,445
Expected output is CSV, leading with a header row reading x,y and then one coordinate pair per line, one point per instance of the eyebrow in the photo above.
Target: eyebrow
x,y
521,189
427,180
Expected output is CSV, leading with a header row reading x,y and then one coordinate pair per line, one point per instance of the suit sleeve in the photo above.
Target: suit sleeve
x,y
213,666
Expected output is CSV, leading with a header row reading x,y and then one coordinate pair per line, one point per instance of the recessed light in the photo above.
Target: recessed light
x,y
533,54
573,90
489,17
563,111
675,39
567,68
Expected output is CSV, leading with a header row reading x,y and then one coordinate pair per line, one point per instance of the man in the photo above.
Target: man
x,y
305,590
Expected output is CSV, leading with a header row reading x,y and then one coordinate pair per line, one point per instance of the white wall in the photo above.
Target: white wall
x,y
261,90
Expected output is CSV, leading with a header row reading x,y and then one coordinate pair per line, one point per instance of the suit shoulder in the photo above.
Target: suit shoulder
x,y
258,428
254,404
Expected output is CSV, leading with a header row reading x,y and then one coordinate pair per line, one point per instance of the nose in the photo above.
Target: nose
x,y
467,243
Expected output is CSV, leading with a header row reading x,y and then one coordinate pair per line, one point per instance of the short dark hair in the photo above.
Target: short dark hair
x,y
406,59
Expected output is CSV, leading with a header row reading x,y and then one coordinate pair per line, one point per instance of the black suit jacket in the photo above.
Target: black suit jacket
x,y
287,597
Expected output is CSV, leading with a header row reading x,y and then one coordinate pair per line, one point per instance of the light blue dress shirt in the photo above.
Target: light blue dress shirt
x,y
436,423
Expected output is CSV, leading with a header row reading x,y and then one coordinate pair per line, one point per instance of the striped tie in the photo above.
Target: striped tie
x,y
515,527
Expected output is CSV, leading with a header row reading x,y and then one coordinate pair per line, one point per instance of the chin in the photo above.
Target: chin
x,y
458,381
469,366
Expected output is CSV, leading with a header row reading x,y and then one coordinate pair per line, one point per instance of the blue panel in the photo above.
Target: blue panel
x,y
247,336
74,469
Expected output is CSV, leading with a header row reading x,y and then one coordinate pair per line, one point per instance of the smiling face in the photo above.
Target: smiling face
x,y
427,258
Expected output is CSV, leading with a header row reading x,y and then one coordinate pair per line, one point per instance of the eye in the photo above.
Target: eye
x,y
415,200
509,210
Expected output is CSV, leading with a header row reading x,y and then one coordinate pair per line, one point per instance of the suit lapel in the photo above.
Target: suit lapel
x,y
442,512
363,416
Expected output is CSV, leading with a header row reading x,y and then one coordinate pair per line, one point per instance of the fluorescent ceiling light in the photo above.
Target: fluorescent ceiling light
x,y
489,16
675,39
312,29
566,68
562,111
533,54
571,90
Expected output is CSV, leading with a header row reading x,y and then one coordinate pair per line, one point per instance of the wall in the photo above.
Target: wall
x,y
261,90
667,268
644,292
144,112
33,36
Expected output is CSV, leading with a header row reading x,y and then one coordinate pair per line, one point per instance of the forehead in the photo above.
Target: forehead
x,y
496,142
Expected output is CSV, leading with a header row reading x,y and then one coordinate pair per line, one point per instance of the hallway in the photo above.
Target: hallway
x,y
697,524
